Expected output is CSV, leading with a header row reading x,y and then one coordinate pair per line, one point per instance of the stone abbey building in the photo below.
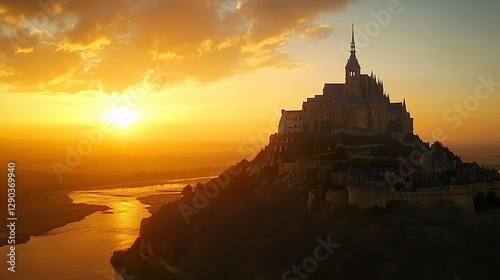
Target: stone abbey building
x,y
359,106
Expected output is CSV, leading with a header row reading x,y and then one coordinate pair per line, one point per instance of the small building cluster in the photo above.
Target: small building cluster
x,y
374,173
369,187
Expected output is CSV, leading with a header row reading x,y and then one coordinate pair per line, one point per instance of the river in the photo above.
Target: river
x,y
82,250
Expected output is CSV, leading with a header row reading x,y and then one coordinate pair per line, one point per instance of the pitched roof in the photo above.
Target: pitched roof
x,y
353,61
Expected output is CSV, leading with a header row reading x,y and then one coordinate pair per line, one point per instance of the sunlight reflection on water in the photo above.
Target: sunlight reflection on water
x,y
82,250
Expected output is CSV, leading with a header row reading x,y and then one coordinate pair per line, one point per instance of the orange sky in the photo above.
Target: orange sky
x,y
222,70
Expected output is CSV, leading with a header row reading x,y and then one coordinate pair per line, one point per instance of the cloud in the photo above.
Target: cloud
x,y
72,46
317,32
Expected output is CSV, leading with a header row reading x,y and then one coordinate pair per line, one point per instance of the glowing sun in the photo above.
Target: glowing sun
x,y
122,117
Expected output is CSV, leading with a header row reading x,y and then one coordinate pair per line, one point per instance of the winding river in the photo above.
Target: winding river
x,y
82,250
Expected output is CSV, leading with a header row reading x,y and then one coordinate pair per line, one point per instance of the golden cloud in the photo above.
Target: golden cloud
x,y
317,32
72,46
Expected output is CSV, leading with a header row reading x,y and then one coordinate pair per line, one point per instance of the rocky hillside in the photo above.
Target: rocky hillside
x,y
253,223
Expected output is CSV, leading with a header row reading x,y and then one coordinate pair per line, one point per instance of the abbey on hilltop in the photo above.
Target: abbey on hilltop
x,y
359,106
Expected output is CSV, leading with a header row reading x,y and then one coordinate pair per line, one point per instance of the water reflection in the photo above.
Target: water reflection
x,y
82,250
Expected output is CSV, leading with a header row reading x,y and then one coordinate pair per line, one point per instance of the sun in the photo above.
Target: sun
x,y
122,117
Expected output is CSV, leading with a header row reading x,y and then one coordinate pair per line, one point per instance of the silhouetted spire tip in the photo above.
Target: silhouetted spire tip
x,y
353,44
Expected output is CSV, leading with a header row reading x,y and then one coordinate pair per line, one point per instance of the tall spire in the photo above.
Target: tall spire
x,y
352,87
353,44
352,62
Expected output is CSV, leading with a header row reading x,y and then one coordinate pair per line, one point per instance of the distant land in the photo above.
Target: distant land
x,y
486,153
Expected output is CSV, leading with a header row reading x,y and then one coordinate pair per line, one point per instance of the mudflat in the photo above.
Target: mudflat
x,y
40,213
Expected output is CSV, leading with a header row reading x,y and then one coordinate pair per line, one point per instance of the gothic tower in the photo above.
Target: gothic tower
x,y
352,88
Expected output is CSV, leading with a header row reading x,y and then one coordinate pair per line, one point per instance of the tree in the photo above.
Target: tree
x,y
187,191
